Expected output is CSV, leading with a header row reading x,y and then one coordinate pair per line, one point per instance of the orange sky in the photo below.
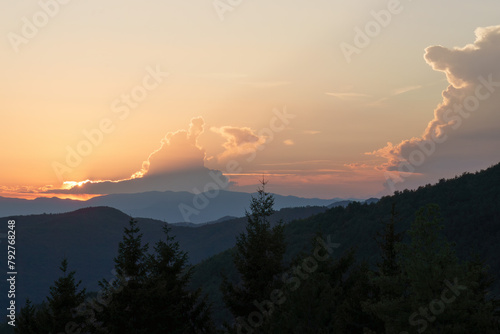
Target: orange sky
x,y
119,90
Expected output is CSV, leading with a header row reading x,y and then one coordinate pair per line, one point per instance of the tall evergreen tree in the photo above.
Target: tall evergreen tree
x,y
152,293
125,294
172,308
58,313
389,284
132,254
387,241
258,257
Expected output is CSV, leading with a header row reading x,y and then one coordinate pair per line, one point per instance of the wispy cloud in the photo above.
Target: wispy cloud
x,y
358,165
311,132
402,90
395,92
224,75
292,163
348,95
266,84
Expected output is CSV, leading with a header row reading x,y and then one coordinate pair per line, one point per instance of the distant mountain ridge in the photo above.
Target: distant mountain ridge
x,y
169,206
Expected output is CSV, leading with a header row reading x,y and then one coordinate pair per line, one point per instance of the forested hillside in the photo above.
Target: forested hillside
x,y
470,206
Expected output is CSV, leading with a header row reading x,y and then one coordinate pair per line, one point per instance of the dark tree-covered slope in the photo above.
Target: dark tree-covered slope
x,y
470,206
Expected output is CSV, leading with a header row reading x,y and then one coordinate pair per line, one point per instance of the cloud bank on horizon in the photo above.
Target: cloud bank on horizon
x,y
177,165
464,130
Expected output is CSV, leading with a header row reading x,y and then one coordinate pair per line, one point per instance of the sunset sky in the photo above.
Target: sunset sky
x,y
167,95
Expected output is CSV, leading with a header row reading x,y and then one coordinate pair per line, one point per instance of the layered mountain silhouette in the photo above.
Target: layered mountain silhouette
x,y
169,206
89,238
470,206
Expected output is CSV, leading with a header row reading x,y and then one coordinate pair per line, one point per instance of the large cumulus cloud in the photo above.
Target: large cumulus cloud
x,y
464,133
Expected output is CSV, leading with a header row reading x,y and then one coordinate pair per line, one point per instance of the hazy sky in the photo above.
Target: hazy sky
x,y
326,98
